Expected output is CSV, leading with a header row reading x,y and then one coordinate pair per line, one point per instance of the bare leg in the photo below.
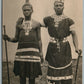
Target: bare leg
x,y
22,80
31,80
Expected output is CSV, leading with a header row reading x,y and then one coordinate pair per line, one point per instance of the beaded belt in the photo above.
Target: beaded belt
x,y
53,40
57,42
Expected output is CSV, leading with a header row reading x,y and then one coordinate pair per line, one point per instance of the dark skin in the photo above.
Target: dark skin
x,y
27,12
58,7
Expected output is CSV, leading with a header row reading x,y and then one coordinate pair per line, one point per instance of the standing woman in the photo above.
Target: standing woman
x,y
59,51
29,51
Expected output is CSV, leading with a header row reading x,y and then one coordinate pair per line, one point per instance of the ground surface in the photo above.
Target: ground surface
x,y
42,79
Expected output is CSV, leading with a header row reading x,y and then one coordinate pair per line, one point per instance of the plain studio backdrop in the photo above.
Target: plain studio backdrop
x,y
12,10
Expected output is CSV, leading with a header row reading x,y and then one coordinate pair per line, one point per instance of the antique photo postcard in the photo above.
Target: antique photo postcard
x,y
42,41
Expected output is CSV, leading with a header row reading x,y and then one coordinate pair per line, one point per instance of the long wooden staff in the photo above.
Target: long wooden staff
x,y
6,55
79,54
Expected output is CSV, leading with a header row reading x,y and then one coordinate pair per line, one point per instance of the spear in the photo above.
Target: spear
x,y
6,55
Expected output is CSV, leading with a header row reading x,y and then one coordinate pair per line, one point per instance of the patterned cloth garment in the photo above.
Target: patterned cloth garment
x,y
59,51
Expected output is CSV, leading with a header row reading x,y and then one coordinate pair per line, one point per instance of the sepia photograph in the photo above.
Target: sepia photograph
x,y
42,41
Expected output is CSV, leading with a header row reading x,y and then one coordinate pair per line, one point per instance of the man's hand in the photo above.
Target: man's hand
x,y
41,56
6,37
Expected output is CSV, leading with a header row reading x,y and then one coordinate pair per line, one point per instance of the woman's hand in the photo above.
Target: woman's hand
x,y
6,37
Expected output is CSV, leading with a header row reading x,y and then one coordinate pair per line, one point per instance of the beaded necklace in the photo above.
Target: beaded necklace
x,y
57,19
27,26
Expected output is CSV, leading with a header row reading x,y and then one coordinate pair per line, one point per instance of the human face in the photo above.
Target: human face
x,y
58,7
27,11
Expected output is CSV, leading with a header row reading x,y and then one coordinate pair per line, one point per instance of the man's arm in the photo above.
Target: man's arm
x,y
40,43
75,38
39,39
18,27
15,39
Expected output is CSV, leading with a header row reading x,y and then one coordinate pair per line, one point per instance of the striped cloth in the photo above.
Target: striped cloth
x,y
27,54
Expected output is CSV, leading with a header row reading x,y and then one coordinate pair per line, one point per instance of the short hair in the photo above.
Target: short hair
x,y
27,4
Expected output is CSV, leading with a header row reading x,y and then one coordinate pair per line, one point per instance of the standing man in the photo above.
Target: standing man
x,y
29,51
59,51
